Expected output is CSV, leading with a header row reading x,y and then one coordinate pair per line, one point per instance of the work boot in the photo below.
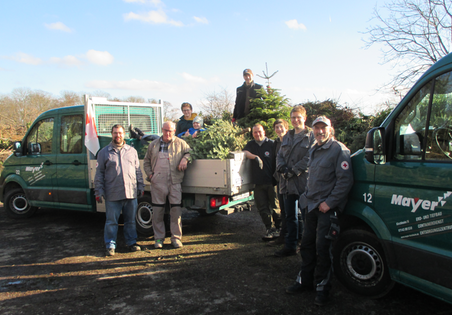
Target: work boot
x,y
139,132
110,252
133,134
269,235
297,288
321,298
285,252
134,248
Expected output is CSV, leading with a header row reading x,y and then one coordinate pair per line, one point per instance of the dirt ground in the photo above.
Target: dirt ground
x,y
54,263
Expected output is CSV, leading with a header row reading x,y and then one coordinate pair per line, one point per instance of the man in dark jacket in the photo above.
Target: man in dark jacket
x,y
245,93
329,182
292,164
262,151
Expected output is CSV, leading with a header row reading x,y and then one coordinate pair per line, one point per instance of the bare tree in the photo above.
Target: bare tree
x,y
216,103
415,34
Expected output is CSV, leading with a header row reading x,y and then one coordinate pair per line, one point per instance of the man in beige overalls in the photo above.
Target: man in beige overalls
x,y
164,164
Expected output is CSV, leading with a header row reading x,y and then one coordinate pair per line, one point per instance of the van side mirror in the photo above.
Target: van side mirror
x,y
375,146
17,148
34,148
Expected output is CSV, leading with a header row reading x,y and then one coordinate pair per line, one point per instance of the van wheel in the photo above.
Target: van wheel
x,y
144,216
17,205
360,264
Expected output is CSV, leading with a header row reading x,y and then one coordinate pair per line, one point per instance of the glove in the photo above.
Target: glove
x,y
140,193
289,174
259,161
283,170
99,199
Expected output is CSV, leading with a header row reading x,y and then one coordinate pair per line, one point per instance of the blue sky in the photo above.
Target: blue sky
x,y
183,50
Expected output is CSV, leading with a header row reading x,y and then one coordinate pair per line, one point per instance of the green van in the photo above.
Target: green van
x,y
397,226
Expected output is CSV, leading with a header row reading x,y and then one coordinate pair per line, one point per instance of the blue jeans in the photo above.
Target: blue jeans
x,y
291,209
113,211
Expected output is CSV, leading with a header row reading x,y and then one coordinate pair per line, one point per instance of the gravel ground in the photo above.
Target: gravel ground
x,y
54,263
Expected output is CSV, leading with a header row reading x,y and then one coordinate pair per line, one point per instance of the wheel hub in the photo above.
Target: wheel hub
x,y
363,262
144,215
20,203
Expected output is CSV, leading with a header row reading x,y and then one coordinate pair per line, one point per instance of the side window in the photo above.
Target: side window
x,y
42,134
409,129
439,137
71,134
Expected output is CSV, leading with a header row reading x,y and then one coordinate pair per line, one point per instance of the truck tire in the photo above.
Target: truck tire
x,y
144,216
360,264
17,205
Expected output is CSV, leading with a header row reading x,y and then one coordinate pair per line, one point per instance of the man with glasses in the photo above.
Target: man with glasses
x,y
165,163
185,121
292,164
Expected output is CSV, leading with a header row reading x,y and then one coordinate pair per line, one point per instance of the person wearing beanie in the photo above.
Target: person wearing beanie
x,y
245,94
197,127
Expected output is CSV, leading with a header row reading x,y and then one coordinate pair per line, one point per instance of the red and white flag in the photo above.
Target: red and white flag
x,y
91,140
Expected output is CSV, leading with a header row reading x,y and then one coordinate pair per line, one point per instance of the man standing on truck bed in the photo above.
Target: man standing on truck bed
x,y
245,93
329,182
119,181
262,151
165,163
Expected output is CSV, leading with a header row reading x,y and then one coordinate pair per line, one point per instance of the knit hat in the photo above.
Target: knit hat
x,y
199,120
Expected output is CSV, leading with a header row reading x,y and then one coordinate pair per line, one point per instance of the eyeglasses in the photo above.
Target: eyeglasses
x,y
168,130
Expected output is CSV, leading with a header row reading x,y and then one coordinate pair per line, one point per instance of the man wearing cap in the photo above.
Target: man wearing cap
x,y
330,179
245,93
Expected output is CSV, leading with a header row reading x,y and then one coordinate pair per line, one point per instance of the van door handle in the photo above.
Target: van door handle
x,y
48,162
76,162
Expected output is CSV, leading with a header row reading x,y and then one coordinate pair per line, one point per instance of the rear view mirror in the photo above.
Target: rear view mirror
x,y
375,148
17,148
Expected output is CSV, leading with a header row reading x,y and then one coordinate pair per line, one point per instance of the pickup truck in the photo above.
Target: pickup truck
x,y
397,225
52,168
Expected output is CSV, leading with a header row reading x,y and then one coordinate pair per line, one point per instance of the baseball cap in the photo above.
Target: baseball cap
x,y
322,119
248,71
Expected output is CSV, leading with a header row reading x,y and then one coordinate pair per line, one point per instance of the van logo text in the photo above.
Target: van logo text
x,y
415,203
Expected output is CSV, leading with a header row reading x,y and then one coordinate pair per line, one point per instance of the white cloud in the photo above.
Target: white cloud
x,y
192,78
25,58
102,58
202,20
134,84
58,26
155,17
66,61
293,24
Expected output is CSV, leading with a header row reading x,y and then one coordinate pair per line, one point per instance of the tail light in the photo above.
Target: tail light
x,y
218,201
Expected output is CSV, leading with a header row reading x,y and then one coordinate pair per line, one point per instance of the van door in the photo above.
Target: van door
x,y
413,190
39,163
72,189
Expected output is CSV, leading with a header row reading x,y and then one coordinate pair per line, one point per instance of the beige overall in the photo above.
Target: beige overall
x,y
161,187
